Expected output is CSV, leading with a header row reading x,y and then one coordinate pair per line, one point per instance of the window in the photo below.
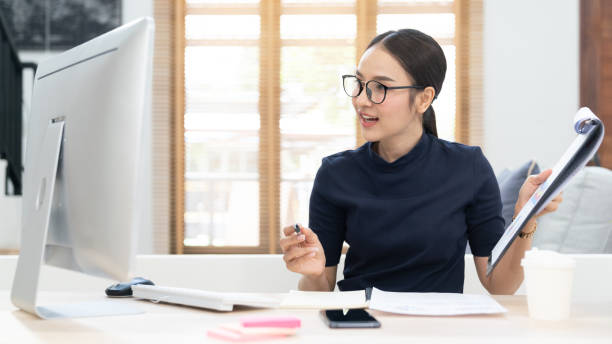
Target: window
x,y
264,104
221,124
316,117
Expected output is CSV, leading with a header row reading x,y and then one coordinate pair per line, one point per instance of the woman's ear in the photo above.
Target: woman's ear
x,y
425,98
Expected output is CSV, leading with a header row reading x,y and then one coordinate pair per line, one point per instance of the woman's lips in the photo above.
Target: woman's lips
x,y
367,120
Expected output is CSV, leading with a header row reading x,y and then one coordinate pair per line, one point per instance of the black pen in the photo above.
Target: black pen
x,y
296,228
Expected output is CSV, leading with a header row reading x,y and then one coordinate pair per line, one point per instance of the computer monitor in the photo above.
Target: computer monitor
x,y
84,181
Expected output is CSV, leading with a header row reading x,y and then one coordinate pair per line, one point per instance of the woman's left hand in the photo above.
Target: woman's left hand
x,y
529,187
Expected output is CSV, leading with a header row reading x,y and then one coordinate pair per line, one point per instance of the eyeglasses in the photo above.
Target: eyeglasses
x,y
375,91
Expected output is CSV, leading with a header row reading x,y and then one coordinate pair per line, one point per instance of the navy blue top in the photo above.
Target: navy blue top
x,y
407,222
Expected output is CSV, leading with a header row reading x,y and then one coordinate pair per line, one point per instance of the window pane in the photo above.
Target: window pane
x,y
213,89
318,26
436,25
317,119
222,26
221,146
211,209
221,189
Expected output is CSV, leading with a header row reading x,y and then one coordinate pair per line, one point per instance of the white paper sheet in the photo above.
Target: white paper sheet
x,y
434,303
325,300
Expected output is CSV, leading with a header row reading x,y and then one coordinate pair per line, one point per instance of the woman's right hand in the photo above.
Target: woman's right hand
x,y
303,253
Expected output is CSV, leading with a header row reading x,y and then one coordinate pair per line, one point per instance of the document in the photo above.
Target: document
x,y
394,302
590,133
434,304
325,300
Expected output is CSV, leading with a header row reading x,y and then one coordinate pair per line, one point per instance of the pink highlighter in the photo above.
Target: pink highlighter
x,y
276,321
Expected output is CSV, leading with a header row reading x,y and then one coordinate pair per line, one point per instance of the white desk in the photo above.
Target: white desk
x,y
590,323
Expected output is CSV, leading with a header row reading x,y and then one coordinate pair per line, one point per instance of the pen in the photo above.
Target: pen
x,y
296,228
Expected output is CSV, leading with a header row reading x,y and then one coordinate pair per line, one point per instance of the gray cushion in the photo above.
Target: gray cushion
x,y
502,176
583,222
509,185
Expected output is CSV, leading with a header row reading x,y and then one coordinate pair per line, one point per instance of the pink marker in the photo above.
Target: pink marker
x,y
278,321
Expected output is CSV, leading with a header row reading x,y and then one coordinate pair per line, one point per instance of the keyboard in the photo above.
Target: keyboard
x,y
220,301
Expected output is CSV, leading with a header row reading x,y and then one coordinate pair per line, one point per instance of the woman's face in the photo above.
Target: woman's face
x,y
395,116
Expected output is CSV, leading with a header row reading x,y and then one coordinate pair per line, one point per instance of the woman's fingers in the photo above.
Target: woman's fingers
x,y
303,253
291,238
552,206
288,241
311,237
306,235
289,230
304,265
297,252
541,178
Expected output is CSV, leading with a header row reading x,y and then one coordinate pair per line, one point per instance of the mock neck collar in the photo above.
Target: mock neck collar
x,y
413,155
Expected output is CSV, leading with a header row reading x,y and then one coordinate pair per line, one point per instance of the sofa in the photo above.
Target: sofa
x,y
583,221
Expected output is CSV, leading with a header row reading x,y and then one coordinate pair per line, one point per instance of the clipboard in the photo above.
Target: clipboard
x,y
590,133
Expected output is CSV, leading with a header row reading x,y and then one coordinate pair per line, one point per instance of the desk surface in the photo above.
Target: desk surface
x,y
589,323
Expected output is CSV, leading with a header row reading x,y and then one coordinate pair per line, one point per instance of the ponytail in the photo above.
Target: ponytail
x,y
429,121
423,60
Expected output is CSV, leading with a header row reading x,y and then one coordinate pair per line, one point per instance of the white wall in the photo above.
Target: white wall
x,y
9,228
531,80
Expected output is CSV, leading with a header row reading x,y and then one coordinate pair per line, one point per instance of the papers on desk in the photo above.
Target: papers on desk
x,y
325,300
434,303
401,303
394,302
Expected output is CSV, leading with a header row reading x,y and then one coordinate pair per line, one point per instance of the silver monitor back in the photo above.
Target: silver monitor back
x,y
85,162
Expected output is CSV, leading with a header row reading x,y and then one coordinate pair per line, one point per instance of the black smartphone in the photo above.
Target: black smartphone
x,y
354,318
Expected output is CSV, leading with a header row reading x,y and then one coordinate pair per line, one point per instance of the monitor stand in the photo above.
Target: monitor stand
x,y
35,227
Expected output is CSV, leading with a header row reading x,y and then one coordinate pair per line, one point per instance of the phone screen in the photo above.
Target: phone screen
x,y
354,318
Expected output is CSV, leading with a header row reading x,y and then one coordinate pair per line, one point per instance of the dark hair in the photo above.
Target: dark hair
x,y
422,58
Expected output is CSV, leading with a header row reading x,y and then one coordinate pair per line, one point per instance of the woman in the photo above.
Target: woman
x,y
406,202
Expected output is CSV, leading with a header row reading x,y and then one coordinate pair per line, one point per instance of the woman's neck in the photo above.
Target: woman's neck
x,y
393,148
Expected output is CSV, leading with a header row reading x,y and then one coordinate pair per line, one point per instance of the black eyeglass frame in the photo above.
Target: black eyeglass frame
x,y
362,86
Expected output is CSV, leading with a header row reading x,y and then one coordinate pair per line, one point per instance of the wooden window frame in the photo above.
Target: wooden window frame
x,y
469,103
270,44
